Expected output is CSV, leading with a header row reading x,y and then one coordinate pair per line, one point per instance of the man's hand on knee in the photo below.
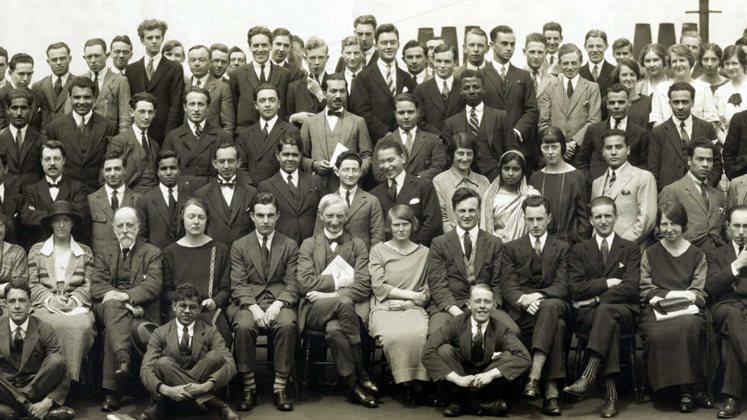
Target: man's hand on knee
x,y
176,393
40,409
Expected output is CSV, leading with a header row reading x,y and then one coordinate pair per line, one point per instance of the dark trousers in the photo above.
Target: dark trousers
x,y
173,373
545,331
438,319
468,397
118,323
337,318
730,319
284,332
51,372
603,325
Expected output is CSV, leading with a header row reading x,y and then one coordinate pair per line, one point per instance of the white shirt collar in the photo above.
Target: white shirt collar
x,y
472,233
471,66
80,118
156,59
258,68
329,235
696,181
271,123
24,326
349,73
622,125
400,180
102,74
14,131
120,192
294,176
483,326
498,66
63,79
369,53
543,240
138,133
413,133
193,126
382,67
440,82
342,192
688,122
53,181
48,248
609,238
574,81
165,191
269,238
618,169
203,80
180,328
736,247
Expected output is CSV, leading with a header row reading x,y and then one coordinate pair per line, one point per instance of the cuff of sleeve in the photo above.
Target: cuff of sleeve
x,y
734,271
519,136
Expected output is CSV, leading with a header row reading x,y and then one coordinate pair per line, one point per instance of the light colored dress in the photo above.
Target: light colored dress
x,y
402,333
67,276
447,182
501,211
725,109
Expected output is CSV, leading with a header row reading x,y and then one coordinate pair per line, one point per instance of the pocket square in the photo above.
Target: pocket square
x,y
414,201
620,265
496,355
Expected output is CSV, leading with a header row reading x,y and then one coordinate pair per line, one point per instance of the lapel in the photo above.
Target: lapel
x,y
237,202
674,137
691,189
29,342
548,254
578,93
594,256
211,85
5,341
255,253
162,206
381,82
276,249
481,250
137,263
359,200
488,342
172,337
160,71
68,125
486,125
346,128
29,143
102,202
417,144
274,78
106,87
9,144
511,78
198,338
404,192
455,248
614,255
320,252
465,338
251,75
492,77
216,197
624,176
281,189
302,190
432,90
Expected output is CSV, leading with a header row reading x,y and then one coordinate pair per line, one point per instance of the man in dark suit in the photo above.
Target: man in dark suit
x,y
158,209
21,70
112,90
297,193
510,89
364,28
34,379
463,257
158,76
229,201
489,126
84,134
403,188
425,151
55,88
475,47
281,54
329,302
38,197
603,278
597,69
666,151
415,57
20,142
353,61
265,293
306,96
726,284
220,112
219,62
126,288
535,290
186,360
589,157
440,96
10,203
473,354
246,79
377,85
258,144
196,140
735,146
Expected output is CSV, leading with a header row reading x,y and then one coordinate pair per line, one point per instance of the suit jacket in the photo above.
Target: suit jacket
x,y
517,273
737,192
312,260
589,157
164,342
299,99
157,225
340,67
494,137
36,204
317,146
515,96
102,215
588,273
512,360
244,82
141,172
298,212
420,195
426,159
545,79
113,101
220,112
372,99
433,110
167,85
24,165
448,279
667,157
572,116
42,274
228,223
57,106
703,224
735,146
604,81
39,343
365,220
146,276
39,116
634,192
248,279
721,285
83,157
257,153
12,201
195,155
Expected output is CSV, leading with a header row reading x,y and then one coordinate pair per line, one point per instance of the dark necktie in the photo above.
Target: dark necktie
x,y
266,130
125,253
172,202
445,92
595,72
347,197
334,242
535,80
503,73
570,89
408,142
19,138
290,184
58,87
96,85
198,83
265,248
393,190
467,245
683,133
184,343
82,128
115,200
223,183
612,179
538,248
149,68
741,248
474,125
198,130
617,124
18,339
552,58
704,193
146,144
605,249
478,354
53,184
262,75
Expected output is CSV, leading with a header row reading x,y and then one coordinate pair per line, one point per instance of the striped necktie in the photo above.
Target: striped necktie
x,y
390,79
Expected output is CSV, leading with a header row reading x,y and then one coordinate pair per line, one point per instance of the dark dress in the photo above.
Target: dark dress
x,y
568,196
677,350
206,267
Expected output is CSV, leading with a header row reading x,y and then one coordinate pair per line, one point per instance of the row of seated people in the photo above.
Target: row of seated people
x,y
534,288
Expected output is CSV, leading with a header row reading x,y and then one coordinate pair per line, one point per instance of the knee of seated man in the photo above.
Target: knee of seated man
x,y
553,305
214,359
56,361
285,326
244,322
446,351
164,363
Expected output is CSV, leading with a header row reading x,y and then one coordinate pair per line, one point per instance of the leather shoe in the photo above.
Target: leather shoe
x,y
360,396
702,400
122,375
453,410
609,409
497,408
732,408
8,413
154,412
111,403
281,401
60,413
369,385
550,407
578,388
248,400
686,404
226,413
531,390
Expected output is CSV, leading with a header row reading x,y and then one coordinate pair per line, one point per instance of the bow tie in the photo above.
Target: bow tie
x,y
735,99
337,240
337,114
53,185
224,183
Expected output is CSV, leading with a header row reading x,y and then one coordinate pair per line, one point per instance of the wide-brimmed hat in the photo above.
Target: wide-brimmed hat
x,y
61,208
141,332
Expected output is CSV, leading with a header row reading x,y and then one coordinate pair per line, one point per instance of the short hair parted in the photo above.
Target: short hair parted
x,y
602,200
235,49
57,46
81,83
95,41
195,89
18,283
655,48
331,200
258,30
166,154
143,97
478,32
348,155
151,24
700,143
266,86
170,45
315,42
282,32
472,74
54,144
226,144
200,47
674,211
617,87
682,50
406,97
187,291
125,39
445,47
463,193
389,144
612,132
735,50
679,86
403,212
218,47
732,209
414,44
19,93
710,46
535,37
596,33
500,29
536,201
365,20
331,77
691,34
350,40
622,43
551,135
629,63
265,198
195,201
461,141
570,48
114,155
288,140
385,28
18,59
552,26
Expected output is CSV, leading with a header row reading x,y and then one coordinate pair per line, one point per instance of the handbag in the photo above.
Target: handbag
x,y
665,306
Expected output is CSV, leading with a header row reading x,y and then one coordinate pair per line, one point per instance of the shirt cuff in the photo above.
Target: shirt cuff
x,y
734,271
519,136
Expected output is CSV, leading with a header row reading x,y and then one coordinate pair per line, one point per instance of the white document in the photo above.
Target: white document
x,y
340,271
339,148
690,310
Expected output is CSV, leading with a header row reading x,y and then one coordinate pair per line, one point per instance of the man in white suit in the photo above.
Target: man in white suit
x,y
633,190
111,90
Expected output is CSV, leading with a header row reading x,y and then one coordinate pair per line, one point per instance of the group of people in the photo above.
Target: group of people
x,y
466,218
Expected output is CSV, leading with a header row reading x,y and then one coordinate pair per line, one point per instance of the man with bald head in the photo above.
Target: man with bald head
x,y
125,287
